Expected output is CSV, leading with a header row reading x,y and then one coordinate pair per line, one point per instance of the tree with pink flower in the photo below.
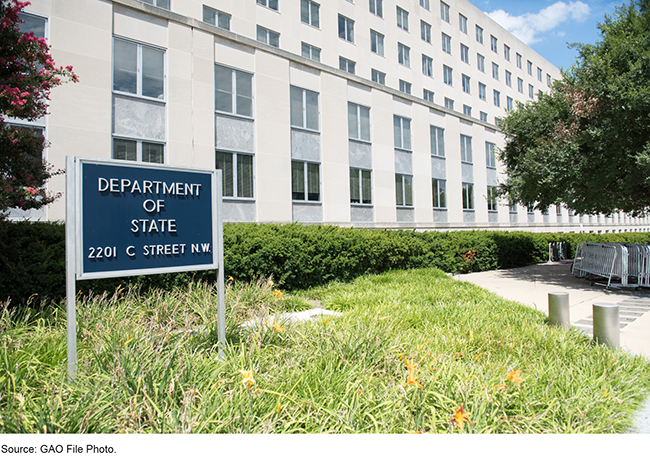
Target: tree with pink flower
x,y
27,76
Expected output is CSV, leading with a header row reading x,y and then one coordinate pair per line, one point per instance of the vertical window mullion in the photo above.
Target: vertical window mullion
x,y
306,173
233,77
304,110
139,70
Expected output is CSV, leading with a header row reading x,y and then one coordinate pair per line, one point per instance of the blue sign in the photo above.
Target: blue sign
x,y
145,219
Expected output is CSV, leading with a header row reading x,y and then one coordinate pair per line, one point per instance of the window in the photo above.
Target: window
x,y
138,151
468,196
466,84
509,79
462,23
272,4
427,66
402,132
305,181
237,174
267,36
233,91
346,29
216,18
425,31
360,186
404,55
530,68
467,110
531,91
548,80
446,43
358,122
33,24
437,141
520,85
509,103
376,42
495,71
378,77
138,69
497,98
481,91
480,62
402,19
428,95
465,148
444,11
483,116
512,206
449,103
424,4
159,3
493,44
464,53
310,52
405,87
304,108
497,121
506,52
376,8
346,65
492,198
490,155
479,34
518,60
439,187
539,74
447,75
403,190
309,13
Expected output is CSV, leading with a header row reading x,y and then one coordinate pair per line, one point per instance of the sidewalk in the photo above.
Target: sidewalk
x,y
531,285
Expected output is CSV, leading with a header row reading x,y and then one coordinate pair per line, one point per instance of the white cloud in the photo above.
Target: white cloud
x,y
527,27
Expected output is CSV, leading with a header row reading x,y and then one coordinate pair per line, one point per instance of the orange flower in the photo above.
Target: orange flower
x,y
514,376
277,327
412,380
460,417
247,378
277,293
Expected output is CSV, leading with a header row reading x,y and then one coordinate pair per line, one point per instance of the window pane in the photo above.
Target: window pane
x,y
244,94
125,150
441,191
313,182
408,191
397,131
297,181
436,201
261,34
223,93
399,192
153,153
406,126
354,186
304,11
223,21
353,121
245,176
32,24
209,15
312,110
366,187
315,17
125,67
296,106
225,164
315,54
441,142
364,121
152,73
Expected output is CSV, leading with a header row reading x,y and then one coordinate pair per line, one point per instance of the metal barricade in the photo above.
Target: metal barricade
x,y
556,251
639,263
608,260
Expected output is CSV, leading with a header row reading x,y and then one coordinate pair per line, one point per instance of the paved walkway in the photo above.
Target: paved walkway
x,y
531,285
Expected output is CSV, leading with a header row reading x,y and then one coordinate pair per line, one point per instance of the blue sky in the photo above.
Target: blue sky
x,y
548,25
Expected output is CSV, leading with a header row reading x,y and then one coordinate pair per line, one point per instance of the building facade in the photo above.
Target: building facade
x,y
365,113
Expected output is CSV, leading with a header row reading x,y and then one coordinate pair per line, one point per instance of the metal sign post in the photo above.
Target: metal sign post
x,y
125,218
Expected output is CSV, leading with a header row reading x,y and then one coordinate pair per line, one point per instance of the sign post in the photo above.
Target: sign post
x,y
125,218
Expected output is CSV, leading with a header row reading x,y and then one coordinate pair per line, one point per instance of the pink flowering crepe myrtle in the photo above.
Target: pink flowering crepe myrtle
x,y
27,75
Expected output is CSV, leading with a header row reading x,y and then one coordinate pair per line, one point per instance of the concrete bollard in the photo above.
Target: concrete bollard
x,y
607,324
558,310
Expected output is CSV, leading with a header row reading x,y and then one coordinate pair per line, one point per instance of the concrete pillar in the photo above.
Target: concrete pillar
x,y
558,310
607,324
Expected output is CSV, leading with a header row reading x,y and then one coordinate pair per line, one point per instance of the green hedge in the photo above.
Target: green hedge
x,y
32,255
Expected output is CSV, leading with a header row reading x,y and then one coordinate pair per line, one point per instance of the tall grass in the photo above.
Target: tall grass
x,y
410,348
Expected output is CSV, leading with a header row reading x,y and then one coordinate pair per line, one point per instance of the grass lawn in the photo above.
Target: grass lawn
x,y
414,351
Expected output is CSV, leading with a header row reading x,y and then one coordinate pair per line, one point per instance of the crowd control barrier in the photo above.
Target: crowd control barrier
x,y
621,264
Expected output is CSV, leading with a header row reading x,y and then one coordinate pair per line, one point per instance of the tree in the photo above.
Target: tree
x,y
27,75
587,143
